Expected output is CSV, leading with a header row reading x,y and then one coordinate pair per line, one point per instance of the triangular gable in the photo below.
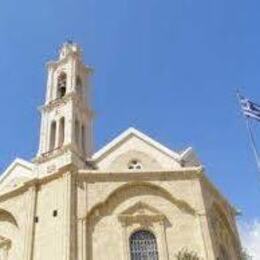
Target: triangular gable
x,y
181,158
141,212
133,132
19,169
140,208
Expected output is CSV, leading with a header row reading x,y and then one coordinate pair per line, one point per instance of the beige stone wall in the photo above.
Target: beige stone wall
x,y
221,221
181,230
14,223
48,240
98,212
176,200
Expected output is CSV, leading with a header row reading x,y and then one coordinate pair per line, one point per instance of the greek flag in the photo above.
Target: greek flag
x,y
250,109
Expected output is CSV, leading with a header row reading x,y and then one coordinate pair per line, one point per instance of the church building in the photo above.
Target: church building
x,y
134,199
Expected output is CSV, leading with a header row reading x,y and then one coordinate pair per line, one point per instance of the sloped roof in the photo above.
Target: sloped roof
x,y
17,169
184,156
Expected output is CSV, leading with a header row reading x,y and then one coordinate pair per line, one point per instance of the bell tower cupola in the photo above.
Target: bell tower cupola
x,y
66,115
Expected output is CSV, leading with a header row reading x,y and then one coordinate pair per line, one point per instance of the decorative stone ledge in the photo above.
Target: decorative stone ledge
x,y
62,101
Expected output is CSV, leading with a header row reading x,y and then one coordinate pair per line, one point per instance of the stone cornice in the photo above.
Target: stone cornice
x,y
61,101
180,174
97,176
56,153
52,154
101,176
140,218
36,182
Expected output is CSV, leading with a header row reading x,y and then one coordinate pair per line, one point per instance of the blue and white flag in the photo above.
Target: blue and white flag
x,y
250,109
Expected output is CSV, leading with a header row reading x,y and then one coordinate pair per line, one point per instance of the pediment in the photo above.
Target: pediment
x,y
140,208
141,212
17,173
134,145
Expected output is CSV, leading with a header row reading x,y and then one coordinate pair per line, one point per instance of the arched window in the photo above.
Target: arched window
x,y
62,85
61,131
143,246
53,135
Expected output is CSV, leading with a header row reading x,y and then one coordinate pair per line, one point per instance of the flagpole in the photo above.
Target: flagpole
x,y
251,136
253,144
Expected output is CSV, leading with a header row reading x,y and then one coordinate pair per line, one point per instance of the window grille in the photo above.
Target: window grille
x,y
143,246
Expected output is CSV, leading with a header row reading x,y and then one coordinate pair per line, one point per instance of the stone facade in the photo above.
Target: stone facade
x,y
72,204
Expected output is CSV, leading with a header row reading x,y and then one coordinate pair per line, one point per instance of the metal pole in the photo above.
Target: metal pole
x,y
251,136
253,144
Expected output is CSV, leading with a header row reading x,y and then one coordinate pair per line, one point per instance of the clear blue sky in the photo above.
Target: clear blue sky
x,y
169,68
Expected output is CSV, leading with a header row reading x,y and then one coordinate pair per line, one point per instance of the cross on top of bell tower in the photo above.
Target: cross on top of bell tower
x,y
69,48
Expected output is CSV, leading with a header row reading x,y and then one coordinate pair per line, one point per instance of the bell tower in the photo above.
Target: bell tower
x,y
66,115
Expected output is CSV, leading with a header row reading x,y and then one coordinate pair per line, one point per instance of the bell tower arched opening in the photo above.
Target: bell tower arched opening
x,y
53,135
62,85
61,131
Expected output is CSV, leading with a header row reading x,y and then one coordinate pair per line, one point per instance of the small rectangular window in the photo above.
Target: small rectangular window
x,y
36,219
55,213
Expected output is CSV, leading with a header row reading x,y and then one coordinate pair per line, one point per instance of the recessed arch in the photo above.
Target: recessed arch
x,y
217,208
218,214
9,235
129,190
123,193
8,217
